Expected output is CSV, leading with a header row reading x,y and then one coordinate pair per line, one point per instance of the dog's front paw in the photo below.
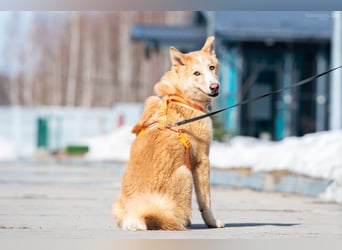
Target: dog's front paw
x,y
210,220
219,224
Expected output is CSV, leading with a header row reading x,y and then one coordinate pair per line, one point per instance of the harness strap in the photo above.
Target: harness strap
x,y
162,114
143,130
178,99
186,142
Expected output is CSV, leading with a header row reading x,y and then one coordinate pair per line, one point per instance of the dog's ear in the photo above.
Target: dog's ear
x,y
209,45
177,57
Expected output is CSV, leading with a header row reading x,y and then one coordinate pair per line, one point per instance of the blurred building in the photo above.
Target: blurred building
x,y
260,52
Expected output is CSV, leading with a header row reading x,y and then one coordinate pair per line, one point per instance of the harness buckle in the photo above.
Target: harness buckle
x,y
184,139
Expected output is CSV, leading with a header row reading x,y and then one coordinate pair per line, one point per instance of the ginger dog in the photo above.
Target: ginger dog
x,y
165,162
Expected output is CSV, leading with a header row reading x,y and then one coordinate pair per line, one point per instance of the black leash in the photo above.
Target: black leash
x,y
302,82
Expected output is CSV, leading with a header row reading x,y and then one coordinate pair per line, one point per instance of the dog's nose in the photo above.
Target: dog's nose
x,y
214,87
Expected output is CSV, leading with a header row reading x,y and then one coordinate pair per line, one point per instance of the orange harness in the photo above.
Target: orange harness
x,y
162,114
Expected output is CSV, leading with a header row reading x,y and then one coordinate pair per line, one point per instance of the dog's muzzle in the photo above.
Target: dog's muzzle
x,y
214,88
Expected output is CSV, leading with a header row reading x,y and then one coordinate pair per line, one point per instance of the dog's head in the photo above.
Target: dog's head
x,y
193,75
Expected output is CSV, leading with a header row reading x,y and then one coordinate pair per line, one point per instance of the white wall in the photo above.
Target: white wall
x,y
19,125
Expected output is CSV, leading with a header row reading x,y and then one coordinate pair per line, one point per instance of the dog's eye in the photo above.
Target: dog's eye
x,y
211,67
197,73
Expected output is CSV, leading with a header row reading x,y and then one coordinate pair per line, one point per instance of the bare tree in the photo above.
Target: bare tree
x,y
105,75
13,58
83,59
73,59
125,56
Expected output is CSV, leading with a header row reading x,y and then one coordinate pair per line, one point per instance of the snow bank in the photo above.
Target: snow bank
x,y
333,192
111,147
315,155
7,151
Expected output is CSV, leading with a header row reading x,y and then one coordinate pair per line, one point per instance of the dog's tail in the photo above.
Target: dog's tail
x,y
158,212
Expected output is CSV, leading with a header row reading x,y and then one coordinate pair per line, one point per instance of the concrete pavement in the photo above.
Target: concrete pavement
x,y
59,201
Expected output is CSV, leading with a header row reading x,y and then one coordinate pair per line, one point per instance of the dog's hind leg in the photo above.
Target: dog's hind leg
x,y
152,211
134,224
118,211
127,221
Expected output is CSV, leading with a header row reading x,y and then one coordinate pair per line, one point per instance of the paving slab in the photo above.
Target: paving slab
x,y
59,201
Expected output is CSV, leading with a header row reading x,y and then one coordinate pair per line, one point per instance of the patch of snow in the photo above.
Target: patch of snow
x,y
110,147
333,193
315,155
7,151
